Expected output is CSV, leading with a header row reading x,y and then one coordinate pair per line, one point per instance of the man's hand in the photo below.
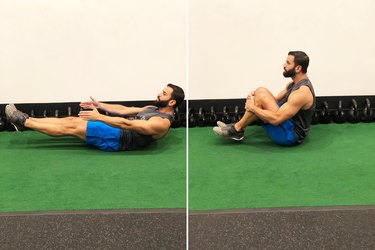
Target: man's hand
x,y
92,115
89,104
251,94
250,102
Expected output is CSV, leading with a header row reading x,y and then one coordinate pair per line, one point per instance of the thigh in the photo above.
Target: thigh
x,y
74,126
265,99
80,128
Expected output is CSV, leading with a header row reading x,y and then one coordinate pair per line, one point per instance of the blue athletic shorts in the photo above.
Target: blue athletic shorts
x,y
103,136
283,134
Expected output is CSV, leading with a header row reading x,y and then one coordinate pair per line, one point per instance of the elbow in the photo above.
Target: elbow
x,y
126,124
275,121
130,125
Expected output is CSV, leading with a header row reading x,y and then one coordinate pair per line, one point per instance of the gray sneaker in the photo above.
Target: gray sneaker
x,y
16,117
222,124
227,130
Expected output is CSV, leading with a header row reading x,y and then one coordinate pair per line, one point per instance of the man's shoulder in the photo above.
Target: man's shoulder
x,y
302,97
302,90
160,118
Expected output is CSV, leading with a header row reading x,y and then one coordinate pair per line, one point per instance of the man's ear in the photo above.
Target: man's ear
x,y
298,68
172,102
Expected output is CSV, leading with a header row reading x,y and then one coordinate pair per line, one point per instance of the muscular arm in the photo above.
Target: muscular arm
x,y
119,109
111,108
155,126
297,100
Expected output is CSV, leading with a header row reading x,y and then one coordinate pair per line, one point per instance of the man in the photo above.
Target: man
x,y
287,117
105,132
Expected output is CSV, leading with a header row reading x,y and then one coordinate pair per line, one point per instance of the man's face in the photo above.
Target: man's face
x,y
164,97
289,67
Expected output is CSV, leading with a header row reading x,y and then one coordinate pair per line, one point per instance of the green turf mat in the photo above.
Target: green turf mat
x,y
334,166
39,173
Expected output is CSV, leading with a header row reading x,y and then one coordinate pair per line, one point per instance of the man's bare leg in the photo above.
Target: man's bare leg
x,y
263,99
73,126
51,119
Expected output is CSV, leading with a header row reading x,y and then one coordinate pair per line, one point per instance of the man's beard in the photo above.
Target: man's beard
x,y
290,73
161,104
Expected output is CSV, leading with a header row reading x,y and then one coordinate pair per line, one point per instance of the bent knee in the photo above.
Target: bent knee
x,y
263,96
261,91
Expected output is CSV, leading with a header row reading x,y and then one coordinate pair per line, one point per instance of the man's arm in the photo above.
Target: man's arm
x,y
155,126
111,108
297,100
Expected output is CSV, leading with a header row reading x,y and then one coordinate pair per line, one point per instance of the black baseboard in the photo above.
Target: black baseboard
x,y
206,112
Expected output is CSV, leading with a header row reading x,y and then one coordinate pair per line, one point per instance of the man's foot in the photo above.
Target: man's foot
x,y
227,130
16,117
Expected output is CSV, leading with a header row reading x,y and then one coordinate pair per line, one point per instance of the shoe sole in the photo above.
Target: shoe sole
x,y
233,138
15,127
237,139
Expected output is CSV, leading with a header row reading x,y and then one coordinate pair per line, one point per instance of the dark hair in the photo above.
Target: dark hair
x,y
178,94
301,59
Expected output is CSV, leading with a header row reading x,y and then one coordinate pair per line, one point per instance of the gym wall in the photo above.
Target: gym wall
x,y
124,50
238,45
67,50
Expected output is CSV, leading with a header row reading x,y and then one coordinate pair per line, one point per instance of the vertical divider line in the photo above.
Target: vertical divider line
x,y
186,117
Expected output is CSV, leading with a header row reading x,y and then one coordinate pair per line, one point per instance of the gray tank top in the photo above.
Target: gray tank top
x,y
131,140
302,120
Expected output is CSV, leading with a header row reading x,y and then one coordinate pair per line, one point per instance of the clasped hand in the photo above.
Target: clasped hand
x,y
250,102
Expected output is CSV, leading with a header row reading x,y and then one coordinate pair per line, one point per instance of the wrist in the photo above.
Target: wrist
x,y
254,109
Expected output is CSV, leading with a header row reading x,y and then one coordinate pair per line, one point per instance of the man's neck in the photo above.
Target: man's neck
x,y
166,110
299,77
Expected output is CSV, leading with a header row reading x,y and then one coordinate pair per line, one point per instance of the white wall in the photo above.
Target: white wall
x,y
237,45
66,50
